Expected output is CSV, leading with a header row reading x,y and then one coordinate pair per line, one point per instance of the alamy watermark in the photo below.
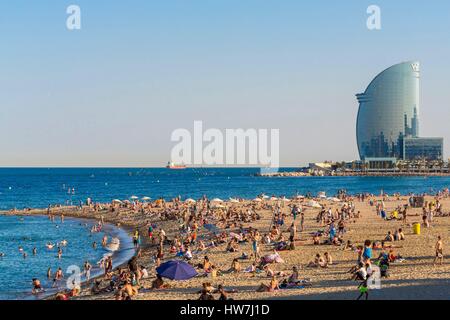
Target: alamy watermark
x,y
233,147
374,20
73,21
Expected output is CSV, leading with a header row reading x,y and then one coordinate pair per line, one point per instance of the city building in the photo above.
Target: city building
x,y
387,126
423,149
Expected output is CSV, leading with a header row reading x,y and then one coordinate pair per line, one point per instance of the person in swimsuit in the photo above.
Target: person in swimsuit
x,y
439,247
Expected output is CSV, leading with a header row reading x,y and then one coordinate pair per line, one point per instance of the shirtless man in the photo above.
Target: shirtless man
x,y
439,251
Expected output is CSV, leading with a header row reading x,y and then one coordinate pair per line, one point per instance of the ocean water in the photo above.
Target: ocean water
x,y
37,188
17,272
20,188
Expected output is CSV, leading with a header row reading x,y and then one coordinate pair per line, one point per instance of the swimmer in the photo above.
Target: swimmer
x,y
34,251
60,253
20,249
63,243
37,287
50,246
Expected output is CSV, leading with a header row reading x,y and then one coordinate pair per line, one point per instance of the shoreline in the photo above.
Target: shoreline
x,y
114,230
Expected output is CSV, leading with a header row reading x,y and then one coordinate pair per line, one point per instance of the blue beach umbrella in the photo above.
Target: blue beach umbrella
x,y
176,270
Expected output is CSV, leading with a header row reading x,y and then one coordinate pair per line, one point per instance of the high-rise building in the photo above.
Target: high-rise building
x,y
389,113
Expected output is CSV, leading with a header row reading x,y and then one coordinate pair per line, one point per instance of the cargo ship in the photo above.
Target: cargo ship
x,y
171,165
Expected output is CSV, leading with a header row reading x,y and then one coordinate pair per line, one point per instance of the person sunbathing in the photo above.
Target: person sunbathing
x,y
389,237
271,273
235,266
317,262
273,285
316,239
158,283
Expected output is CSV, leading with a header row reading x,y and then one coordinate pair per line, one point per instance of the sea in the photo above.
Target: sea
x,y
40,187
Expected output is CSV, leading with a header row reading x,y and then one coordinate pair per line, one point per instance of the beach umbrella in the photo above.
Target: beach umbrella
x,y
176,270
134,198
274,199
257,200
146,198
190,200
216,200
265,197
116,201
234,200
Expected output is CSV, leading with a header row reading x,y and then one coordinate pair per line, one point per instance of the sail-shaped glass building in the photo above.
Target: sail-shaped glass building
x,y
389,112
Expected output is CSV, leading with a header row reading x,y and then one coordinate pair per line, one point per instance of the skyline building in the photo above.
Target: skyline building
x,y
388,117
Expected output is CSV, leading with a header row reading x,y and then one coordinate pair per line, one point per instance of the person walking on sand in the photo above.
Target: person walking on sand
x,y
363,289
439,251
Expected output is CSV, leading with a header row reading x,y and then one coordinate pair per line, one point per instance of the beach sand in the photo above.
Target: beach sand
x,y
414,278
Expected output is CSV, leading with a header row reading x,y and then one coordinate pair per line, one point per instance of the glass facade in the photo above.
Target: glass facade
x,y
423,148
389,112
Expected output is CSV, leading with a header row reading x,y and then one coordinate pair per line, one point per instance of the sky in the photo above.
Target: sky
x,y
112,93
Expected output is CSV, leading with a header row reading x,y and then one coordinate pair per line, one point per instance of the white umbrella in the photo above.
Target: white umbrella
x,y
265,197
257,200
134,197
116,201
234,200
146,198
190,200
216,200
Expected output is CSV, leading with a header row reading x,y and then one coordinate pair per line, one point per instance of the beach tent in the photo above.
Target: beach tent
x,y
216,200
176,270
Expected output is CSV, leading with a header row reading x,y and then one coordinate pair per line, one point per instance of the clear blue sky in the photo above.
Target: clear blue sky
x,y
112,93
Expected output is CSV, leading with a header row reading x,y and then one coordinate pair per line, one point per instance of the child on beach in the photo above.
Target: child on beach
x,y
439,247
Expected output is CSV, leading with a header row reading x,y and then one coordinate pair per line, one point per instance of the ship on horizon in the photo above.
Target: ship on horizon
x,y
171,165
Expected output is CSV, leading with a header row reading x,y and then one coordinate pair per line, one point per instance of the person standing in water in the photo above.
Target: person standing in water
x,y
87,270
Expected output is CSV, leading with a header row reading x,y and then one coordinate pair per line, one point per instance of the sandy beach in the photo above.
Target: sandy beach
x,y
413,278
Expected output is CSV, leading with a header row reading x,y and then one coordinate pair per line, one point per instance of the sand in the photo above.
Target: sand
x,y
414,278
